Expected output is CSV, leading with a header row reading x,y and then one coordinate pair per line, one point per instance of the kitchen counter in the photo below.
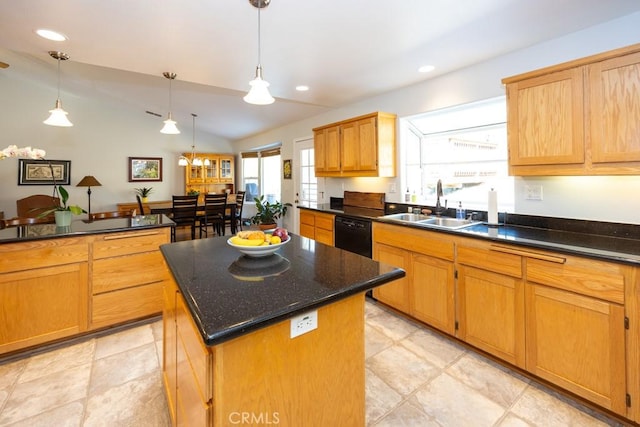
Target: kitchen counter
x,y
83,227
230,295
603,240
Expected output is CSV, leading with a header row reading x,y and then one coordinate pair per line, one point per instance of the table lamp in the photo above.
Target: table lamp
x,y
89,181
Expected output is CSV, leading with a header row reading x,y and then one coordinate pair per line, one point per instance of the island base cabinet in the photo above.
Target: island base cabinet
x,y
315,379
578,343
42,305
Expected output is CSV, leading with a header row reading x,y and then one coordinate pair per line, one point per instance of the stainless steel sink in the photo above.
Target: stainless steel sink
x,y
431,221
446,222
407,217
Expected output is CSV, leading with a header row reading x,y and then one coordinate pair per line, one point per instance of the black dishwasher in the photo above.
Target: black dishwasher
x,y
353,234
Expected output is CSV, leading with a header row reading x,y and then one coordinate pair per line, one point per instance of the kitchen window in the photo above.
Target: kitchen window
x,y
261,172
466,148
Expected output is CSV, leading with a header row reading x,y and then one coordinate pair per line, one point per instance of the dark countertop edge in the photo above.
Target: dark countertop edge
x,y
254,324
591,252
85,233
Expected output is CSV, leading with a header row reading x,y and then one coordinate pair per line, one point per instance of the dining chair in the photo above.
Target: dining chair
x,y
32,206
215,206
112,214
237,218
140,206
183,213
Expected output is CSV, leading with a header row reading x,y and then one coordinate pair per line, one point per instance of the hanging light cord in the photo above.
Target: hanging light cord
x,y
193,143
58,76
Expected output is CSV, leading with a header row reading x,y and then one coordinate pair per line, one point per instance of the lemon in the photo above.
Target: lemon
x,y
275,240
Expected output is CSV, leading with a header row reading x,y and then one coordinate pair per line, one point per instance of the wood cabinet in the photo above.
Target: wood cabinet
x,y
215,176
576,327
427,291
127,276
317,226
577,118
491,313
360,146
44,291
266,374
58,288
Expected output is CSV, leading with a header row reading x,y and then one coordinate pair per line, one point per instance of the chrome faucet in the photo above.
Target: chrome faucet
x,y
439,208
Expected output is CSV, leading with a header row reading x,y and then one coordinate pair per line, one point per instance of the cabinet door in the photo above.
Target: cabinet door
x,y
42,305
615,109
432,292
194,174
226,169
210,171
578,343
546,119
169,347
326,144
491,313
396,293
359,145
307,224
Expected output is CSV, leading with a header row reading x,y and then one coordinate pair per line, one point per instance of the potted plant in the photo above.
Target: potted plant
x,y
144,193
63,212
268,213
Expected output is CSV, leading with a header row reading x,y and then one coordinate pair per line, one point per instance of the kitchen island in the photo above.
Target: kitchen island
x,y
231,350
61,282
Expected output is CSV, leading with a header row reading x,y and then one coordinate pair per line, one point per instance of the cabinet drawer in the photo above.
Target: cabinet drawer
x,y
491,260
324,221
589,277
324,236
424,242
307,218
126,271
42,253
117,244
127,304
196,365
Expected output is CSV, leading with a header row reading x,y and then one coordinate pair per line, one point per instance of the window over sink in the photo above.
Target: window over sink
x,y
463,146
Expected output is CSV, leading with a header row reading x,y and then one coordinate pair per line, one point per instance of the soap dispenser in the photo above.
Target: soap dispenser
x,y
460,211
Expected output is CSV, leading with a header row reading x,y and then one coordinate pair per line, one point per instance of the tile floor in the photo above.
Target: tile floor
x,y
414,378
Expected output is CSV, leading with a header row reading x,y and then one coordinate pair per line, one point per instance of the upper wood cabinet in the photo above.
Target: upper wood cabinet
x,y
361,146
214,177
577,118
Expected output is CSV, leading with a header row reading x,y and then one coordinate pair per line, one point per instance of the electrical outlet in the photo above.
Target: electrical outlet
x,y
392,187
304,323
533,192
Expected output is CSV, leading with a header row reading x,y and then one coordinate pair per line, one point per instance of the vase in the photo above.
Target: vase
x,y
63,218
145,199
264,227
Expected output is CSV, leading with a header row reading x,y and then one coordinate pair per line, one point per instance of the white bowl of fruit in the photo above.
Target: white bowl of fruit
x,y
257,243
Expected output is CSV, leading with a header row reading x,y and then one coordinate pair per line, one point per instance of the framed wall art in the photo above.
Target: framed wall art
x,y
286,168
145,169
44,172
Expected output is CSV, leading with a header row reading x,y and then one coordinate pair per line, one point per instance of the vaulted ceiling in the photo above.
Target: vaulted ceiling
x,y
344,50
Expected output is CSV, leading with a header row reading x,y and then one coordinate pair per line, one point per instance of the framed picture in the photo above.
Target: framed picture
x,y
286,168
44,172
145,169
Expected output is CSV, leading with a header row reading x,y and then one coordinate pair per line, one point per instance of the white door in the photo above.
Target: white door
x,y
309,190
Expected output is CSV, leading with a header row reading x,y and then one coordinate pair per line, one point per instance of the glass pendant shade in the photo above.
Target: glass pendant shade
x,y
183,161
170,127
259,93
58,117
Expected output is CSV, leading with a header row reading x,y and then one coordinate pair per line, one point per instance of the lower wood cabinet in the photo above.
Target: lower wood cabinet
x,y
317,226
570,320
53,289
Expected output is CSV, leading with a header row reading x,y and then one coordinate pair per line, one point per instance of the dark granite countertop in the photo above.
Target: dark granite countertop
x,y
230,295
596,239
82,227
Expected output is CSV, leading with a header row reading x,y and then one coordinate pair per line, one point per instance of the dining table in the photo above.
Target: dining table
x,y
168,209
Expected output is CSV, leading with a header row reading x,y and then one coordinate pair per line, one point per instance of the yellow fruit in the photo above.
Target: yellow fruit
x,y
265,244
275,240
245,242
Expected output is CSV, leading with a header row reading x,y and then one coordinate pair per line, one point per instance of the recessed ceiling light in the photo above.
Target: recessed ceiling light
x,y
302,88
51,35
426,68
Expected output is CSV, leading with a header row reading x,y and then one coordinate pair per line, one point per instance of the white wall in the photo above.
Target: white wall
x,y
99,144
595,198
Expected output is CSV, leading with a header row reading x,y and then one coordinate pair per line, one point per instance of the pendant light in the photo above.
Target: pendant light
x,y
169,124
58,116
259,93
195,161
